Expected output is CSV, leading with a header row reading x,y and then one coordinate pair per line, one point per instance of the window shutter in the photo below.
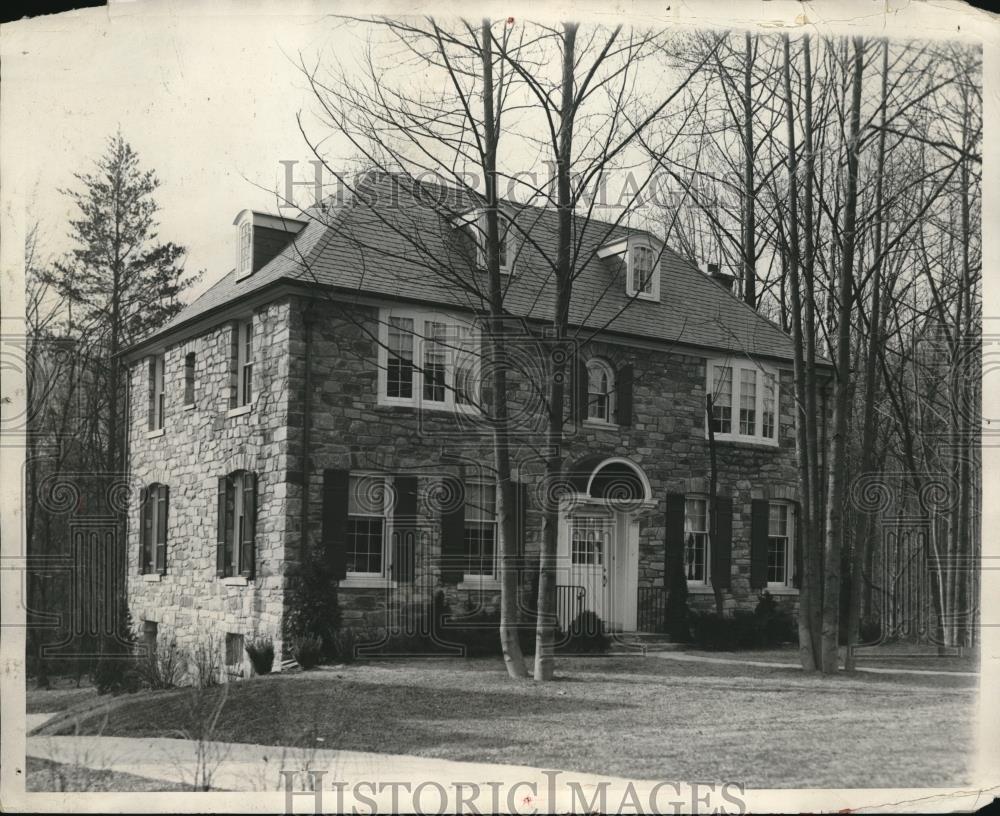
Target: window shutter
x,y
673,564
759,511
222,525
797,544
336,484
152,393
404,532
145,530
722,543
234,365
248,544
163,503
623,395
521,505
453,535
580,389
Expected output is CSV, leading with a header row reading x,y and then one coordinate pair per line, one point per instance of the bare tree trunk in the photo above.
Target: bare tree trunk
x,y
545,632
713,490
509,572
841,409
749,196
862,519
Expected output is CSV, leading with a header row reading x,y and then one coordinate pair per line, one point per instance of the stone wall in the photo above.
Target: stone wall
x,y
350,430
190,603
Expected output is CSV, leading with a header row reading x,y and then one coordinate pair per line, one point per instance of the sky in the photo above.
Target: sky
x,y
208,95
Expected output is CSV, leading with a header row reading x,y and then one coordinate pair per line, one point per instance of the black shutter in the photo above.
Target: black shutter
x,y
145,529
722,543
673,563
404,529
248,542
759,512
453,534
162,504
521,505
336,484
797,545
581,388
623,395
222,525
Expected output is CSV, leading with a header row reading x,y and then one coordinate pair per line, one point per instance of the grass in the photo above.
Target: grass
x,y
45,775
61,695
889,656
650,718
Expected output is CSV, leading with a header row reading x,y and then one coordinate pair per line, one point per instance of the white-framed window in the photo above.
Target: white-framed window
x,y
642,268
744,401
780,544
480,530
589,539
474,225
244,363
156,396
236,540
368,519
428,359
153,529
244,249
696,542
600,391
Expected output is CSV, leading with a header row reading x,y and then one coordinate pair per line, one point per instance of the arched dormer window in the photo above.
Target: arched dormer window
x,y
473,231
600,391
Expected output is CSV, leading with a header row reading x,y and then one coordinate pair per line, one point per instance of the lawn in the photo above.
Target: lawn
x,y
43,775
650,718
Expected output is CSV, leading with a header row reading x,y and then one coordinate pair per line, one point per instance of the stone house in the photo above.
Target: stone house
x,y
330,390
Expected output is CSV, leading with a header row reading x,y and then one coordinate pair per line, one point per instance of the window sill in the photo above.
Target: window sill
x,y
151,577
154,434
750,442
366,582
479,583
243,409
651,298
700,589
188,407
431,408
234,580
781,590
601,425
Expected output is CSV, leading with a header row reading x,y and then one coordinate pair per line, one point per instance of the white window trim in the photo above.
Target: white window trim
x,y
759,369
612,394
654,294
476,219
238,514
788,585
493,579
241,270
420,318
375,580
242,361
705,585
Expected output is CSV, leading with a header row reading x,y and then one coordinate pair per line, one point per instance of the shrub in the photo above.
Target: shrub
x,y
261,653
775,623
163,667
115,670
312,607
206,662
308,651
713,632
587,634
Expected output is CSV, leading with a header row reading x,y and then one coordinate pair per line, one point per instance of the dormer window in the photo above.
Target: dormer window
x,y
244,244
638,257
473,226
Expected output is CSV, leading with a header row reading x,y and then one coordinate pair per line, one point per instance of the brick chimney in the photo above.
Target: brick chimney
x,y
722,278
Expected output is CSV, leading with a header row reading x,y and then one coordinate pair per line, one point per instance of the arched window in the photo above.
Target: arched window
x,y
600,391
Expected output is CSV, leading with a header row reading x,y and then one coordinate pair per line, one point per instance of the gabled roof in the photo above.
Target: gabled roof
x,y
406,250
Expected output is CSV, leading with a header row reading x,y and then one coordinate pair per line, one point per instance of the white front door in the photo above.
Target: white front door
x,y
599,553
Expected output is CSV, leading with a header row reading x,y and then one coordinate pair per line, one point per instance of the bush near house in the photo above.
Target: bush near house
x,y
116,671
312,610
767,626
260,650
308,651
587,634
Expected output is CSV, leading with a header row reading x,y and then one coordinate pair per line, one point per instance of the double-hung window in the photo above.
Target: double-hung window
x,y
780,544
428,360
696,542
367,526
156,397
640,269
744,401
241,365
237,518
600,391
153,525
480,530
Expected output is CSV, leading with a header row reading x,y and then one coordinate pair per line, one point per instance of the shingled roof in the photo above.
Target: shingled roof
x,y
405,248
